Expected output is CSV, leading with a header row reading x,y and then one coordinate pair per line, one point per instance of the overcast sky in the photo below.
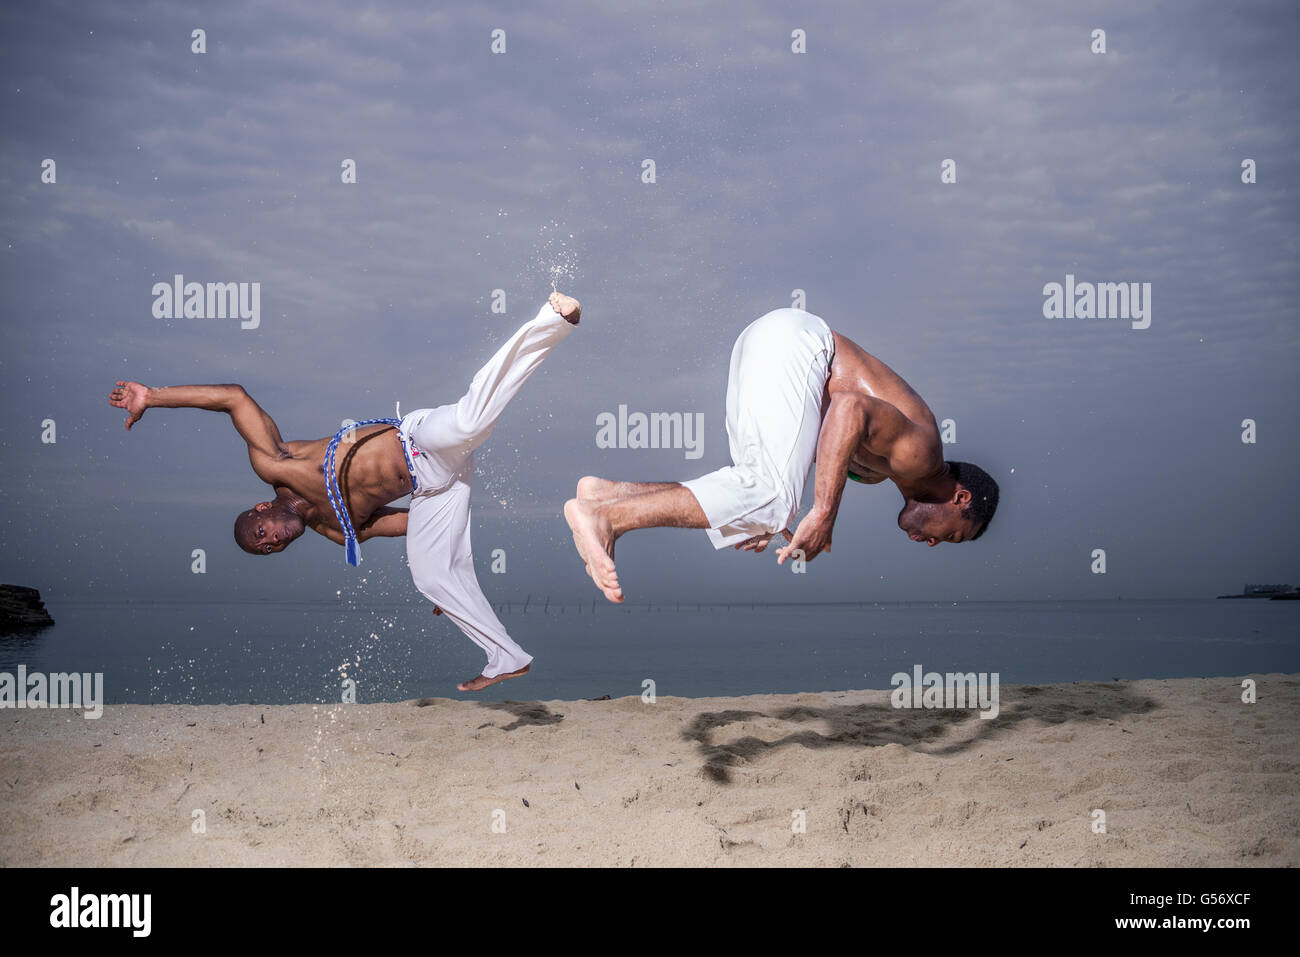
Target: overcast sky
x,y
775,171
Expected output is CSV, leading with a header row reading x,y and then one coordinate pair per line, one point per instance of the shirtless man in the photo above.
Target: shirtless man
x,y
427,455
797,391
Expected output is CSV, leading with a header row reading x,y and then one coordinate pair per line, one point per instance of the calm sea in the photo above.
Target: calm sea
x,y
279,653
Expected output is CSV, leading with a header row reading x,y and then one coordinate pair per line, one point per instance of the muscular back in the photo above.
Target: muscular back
x,y
854,370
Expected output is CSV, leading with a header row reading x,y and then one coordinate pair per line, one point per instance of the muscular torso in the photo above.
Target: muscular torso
x,y
371,472
856,370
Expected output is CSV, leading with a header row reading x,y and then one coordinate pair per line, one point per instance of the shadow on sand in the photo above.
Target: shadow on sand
x,y
526,713
874,725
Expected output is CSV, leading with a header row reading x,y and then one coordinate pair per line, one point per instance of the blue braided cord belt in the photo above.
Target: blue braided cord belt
x,y
332,484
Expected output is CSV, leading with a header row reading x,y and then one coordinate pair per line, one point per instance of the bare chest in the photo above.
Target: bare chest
x,y
369,472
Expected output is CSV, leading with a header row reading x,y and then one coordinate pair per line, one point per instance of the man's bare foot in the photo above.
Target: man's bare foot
x,y
479,683
566,306
593,536
577,539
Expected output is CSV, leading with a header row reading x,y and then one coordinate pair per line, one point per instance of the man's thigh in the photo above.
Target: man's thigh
x,y
774,400
437,467
438,537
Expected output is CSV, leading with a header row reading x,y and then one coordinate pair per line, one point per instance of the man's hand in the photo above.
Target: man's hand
x,y
811,538
131,396
759,542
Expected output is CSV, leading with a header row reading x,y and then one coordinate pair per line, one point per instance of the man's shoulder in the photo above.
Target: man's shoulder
x,y
279,467
918,454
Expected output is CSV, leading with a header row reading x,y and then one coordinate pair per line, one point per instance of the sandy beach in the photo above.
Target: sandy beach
x,y
1186,774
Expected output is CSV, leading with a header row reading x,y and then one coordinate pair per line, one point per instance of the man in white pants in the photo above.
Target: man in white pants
x,y
340,487
442,443
797,393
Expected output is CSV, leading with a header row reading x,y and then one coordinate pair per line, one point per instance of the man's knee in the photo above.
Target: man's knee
x,y
450,572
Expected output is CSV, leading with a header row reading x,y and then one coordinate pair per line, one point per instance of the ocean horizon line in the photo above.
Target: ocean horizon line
x,y
544,601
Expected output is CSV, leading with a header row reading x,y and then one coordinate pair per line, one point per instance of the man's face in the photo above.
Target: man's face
x,y
273,528
932,523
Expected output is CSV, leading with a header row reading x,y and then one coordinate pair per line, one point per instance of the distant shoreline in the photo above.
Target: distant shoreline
x,y
660,605
1272,592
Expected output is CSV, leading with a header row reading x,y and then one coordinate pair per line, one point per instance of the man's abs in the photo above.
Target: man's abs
x,y
371,471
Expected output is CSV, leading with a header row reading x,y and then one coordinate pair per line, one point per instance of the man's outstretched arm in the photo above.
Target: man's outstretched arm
x,y
851,420
257,428
843,427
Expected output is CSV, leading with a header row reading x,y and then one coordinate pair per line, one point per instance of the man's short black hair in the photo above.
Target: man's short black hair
x,y
983,494
246,531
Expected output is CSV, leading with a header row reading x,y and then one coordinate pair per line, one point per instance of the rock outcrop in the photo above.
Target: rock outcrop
x,y
22,608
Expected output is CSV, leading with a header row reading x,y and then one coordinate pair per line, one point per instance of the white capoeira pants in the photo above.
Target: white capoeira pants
x,y
779,368
442,443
